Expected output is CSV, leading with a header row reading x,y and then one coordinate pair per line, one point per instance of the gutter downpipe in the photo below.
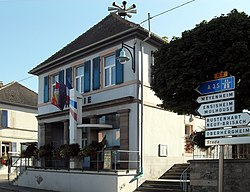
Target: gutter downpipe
x,y
140,174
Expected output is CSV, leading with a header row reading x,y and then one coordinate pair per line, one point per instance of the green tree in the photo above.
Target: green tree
x,y
222,44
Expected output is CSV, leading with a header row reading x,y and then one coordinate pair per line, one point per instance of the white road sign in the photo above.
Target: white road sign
x,y
216,108
227,141
227,132
236,119
216,97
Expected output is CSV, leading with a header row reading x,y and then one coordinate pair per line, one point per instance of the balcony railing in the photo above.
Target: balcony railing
x,y
106,160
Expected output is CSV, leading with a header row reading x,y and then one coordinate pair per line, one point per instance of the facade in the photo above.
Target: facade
x,y
18,123
115,103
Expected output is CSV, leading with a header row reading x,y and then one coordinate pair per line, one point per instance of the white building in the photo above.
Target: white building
x,y
151,139
18,123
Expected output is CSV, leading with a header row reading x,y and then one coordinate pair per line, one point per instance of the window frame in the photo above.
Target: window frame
x,y
4,118
81,77
109,67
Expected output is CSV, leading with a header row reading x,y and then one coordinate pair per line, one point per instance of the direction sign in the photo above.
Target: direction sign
x,y
227,132
217,85
216,108
227,141
236,119
216,97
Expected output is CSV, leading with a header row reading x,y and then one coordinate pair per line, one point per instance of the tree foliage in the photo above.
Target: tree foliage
x,y
222,44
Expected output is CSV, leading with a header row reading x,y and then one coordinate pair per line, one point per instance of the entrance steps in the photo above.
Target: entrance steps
x,y
168,182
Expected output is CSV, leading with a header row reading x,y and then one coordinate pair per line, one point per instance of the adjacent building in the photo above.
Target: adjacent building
x,y
18,123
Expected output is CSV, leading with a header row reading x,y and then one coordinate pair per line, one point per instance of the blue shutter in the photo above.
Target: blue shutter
x,y
46,89
69,78
61,76
119,68
96,73
87,76
4,122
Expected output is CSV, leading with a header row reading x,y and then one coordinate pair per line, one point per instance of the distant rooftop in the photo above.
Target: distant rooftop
x,y
15,93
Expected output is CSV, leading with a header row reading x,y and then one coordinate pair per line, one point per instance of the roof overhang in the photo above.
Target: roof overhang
x,y
138,32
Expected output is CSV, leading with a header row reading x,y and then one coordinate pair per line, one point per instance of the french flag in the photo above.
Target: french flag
x,y
68,87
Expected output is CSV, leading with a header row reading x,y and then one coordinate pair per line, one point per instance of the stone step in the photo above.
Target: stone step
x,y
162,184
173,175
142,189
169,181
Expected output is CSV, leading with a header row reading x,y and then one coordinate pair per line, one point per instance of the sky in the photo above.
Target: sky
x,y
33,30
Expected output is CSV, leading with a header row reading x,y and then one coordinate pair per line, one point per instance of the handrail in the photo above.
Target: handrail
x,y
183,180
14,164
17,164
131,157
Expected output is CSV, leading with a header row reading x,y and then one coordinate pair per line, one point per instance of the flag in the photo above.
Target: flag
x,y
68,87
55,98
62,95
59,95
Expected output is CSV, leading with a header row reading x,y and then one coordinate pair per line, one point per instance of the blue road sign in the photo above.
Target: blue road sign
x,y
217,85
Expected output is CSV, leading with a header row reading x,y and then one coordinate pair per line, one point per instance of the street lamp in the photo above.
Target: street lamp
x,y
123,58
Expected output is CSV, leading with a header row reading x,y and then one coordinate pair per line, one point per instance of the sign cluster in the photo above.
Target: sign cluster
x,y
217,98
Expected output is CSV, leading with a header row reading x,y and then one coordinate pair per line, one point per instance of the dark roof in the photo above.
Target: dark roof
x,y
108,27
17,94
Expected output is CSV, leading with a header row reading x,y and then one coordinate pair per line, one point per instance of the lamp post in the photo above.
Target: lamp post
x,y
123,58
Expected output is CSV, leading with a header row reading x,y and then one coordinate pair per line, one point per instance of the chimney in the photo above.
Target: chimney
x,y
1,84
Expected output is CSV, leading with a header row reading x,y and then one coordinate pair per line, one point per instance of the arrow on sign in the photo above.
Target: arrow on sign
x,y
216,108
217,85
236,119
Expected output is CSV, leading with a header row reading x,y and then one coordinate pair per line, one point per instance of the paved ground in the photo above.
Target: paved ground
x,y
6,186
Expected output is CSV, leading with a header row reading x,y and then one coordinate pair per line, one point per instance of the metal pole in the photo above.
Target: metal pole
x,y
221,167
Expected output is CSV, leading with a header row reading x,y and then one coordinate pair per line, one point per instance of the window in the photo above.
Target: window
x,y
82,77
79,84
109,70
3,118
14,147
188,129
46,89
5,148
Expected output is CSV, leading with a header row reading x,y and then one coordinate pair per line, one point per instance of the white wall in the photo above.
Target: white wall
x,y
22,120
77,181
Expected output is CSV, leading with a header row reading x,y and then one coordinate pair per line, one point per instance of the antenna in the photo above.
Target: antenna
x,y
121,10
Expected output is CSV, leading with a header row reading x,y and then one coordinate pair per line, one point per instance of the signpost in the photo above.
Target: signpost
x,y
215,97
235,119
216,108
217,85
222,106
